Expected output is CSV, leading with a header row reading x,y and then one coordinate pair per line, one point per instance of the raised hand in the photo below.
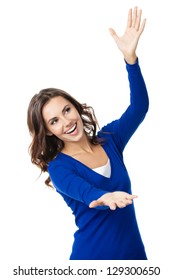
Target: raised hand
x,y
113,200
129,41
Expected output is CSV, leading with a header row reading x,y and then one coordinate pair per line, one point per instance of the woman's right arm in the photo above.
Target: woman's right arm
x,y
68,182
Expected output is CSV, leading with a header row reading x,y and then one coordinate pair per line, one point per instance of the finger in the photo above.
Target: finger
x,y
138,20
112,206
134,17
129,20
121,204
113,33
93,204
131,196
128,201
142,26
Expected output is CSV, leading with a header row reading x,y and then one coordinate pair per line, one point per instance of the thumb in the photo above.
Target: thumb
x,y
113,33
93,204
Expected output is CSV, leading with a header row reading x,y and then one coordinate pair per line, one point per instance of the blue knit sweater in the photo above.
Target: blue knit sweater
x,y
104,234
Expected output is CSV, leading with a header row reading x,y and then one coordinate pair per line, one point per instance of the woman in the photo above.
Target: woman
x,y
87,167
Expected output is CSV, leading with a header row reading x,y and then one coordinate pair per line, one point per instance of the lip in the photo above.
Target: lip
x,y
71,129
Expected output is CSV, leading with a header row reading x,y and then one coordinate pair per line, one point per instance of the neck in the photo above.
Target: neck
x,y
84,145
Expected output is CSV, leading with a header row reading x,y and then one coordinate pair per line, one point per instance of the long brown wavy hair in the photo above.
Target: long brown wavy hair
x,y
44,148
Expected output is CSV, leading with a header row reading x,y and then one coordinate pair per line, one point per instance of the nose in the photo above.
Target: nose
x,y
66,122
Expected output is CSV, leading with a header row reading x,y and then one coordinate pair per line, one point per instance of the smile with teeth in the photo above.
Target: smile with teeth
x,y
71,130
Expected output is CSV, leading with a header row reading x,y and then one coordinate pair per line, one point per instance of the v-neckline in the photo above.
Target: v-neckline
x,y
87,167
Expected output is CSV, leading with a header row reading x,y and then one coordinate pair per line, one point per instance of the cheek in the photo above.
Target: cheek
x,y
56,130
74,116
78,117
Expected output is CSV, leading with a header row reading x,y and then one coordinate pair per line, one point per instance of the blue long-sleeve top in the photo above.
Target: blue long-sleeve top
x,y
104,234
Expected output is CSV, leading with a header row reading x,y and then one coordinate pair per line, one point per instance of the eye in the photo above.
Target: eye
x,y
67,109
54,121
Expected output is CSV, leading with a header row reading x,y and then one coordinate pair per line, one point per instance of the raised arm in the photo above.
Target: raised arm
x,y
124,128
139,101
127,44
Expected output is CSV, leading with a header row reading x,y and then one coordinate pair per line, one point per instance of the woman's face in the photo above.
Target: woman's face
x,y
63,120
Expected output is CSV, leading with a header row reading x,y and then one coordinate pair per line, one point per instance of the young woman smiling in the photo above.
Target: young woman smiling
x,y
86,167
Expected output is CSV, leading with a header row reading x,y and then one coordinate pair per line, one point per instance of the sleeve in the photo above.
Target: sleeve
x,y
126,125
69,183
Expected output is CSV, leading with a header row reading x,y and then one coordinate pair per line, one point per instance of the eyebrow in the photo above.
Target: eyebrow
x,y
55,118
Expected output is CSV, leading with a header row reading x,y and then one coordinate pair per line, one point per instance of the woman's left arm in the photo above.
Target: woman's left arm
x,y
139,102
127,44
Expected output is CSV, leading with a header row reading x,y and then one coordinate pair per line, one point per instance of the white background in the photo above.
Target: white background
x,y
66,44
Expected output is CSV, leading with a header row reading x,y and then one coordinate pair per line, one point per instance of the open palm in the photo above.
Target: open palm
x,y
129,41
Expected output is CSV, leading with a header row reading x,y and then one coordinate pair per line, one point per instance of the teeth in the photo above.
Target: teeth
x,y
71,130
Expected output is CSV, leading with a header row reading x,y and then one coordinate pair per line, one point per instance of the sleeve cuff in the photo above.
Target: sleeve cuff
x,y
131,65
